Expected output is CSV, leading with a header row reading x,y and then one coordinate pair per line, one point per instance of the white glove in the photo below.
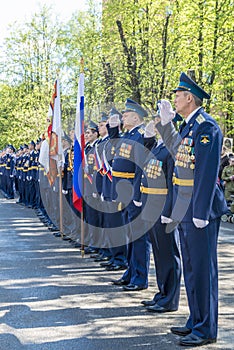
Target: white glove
x,y
11,176
102,197
150,129
114,120
166,112
94,195
200,223
137,204
64,192
165,220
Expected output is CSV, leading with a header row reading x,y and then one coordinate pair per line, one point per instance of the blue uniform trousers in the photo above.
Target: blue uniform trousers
x,y
167,266
138,255
199,252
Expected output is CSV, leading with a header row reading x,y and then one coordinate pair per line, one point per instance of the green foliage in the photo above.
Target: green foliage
x,y
135,48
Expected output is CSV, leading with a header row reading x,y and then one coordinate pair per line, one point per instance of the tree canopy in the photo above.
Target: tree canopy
x,y
135,48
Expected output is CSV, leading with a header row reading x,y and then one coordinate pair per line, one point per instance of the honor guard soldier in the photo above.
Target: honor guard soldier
x,y
2,171
113,219
10,171
92,226
102,243
198,205
67,170
127,168
18,169
25,176
157,190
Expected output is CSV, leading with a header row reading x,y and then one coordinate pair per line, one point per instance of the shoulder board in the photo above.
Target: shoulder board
x,y
141,131
200,119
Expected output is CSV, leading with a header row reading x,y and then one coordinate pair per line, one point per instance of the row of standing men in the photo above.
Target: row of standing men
x,y
140,191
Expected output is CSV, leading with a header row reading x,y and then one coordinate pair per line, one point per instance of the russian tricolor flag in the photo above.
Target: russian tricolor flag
x,y
79,147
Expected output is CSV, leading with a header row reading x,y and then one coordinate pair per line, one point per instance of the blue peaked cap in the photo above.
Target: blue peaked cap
x,y
114,111
93,126
133,106
187,84
104,117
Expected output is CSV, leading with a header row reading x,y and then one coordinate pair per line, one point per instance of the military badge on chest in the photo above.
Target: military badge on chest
x,y
154,168
185,156
125,150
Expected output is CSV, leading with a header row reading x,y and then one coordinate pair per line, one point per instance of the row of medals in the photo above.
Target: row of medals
x,y
154,168
185,157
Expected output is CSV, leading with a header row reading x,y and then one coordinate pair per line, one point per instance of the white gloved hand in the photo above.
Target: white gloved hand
x,y
11,176
200,223
165,220
137,204
114,121
64,192
166,112
94,195
150,129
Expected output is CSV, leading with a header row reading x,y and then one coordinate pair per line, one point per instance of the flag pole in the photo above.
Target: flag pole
x,y
60,181
82,208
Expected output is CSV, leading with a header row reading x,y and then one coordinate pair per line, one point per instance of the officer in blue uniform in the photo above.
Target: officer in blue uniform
x,y
157,192
10,171
92,219
126,180
198,205
102,243
113,218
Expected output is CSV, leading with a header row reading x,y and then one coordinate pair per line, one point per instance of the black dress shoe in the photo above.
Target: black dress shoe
x,y
95,256
114,267
194,340
148,302
133,287
106,263
105,258
57,234
182,331
66,238
158,308
120,282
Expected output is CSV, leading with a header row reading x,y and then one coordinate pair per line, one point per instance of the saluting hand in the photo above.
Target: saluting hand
x,y
166,112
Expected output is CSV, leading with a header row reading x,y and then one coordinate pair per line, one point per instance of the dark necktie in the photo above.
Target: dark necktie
x,y
182,126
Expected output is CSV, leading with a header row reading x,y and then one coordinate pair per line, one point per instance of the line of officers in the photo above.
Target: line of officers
x,y
129,184
23,176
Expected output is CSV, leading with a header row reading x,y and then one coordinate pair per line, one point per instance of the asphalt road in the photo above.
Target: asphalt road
x,y
53,299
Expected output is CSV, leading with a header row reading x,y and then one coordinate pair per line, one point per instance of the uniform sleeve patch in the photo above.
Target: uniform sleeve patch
x,y
205,139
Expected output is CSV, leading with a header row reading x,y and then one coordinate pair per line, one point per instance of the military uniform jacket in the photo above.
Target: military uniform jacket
x,y
34,165
127,166
10,164
197,150
228,171
108,156
68,169
98,181
156,184
90,169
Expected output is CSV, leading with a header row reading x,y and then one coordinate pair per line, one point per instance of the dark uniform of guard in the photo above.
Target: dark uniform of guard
x,y
91,215
157,192
127,168
198,207
10,172
113,218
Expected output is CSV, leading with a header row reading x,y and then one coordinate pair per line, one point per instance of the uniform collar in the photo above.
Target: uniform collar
x,y
189,117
